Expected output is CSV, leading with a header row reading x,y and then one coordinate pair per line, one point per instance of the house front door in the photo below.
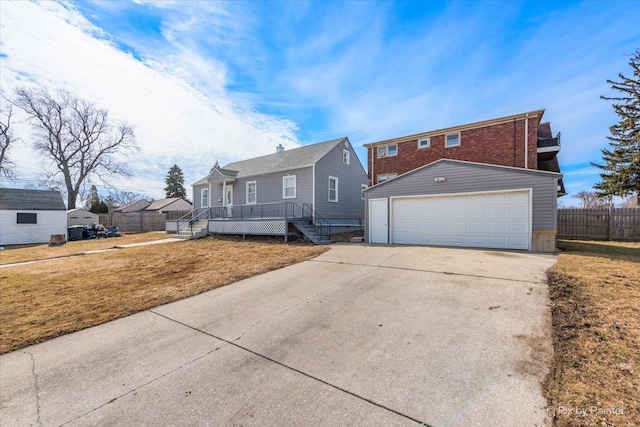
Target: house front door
x,y
228,199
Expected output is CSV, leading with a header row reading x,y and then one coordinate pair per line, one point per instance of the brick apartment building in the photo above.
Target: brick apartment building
x,y
519,140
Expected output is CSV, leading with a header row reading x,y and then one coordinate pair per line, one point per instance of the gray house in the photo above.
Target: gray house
x,y
315,189
466,204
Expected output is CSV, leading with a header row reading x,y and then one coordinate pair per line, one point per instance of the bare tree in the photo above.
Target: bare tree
x,y
77,136
7,139
630,202
590,199
122,198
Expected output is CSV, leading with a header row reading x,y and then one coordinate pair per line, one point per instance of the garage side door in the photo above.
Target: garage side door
x,y
493,220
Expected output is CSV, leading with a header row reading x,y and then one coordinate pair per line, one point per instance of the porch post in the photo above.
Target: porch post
x,y
224,196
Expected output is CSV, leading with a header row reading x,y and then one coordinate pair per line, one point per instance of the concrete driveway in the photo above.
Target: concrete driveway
x,y
361,335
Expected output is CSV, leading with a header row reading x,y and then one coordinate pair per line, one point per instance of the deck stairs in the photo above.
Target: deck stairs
x,y
198,230
312,232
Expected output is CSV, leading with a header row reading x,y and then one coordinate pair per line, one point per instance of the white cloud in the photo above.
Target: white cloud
x,y
176,120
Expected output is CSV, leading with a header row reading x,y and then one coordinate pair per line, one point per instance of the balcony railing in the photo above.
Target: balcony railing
x,y
549,142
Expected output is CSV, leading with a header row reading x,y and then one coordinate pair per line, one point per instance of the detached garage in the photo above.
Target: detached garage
x,y
465,204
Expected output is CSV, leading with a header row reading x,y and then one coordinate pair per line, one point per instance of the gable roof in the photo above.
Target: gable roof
x,y
475,164
133,206
159,204
30,200
305,156
72,211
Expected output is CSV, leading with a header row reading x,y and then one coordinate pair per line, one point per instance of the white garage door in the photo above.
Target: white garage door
x,y
487,220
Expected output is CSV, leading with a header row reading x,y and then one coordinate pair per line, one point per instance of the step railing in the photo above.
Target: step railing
x,y
192,217
321,225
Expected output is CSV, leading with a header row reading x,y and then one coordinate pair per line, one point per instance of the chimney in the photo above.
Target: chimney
x,y
279,148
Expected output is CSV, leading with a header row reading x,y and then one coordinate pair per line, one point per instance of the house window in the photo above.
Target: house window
x,y
204,199
452,140
386,177
362,188
424,142
26,218
388,150
345,157
289,187
333,189
251,193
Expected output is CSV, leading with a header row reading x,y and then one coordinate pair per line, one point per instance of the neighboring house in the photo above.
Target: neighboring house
x,y
457,203
519,140
168,205
321,184
81,217
490,184
135,206
30,216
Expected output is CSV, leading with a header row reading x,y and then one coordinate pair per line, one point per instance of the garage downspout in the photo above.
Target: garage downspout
x,y
526,141
514,143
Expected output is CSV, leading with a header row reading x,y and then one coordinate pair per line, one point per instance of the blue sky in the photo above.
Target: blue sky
x,y
205,81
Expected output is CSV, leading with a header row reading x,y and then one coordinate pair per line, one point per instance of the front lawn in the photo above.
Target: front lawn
x,y
54,297
595,297
35,252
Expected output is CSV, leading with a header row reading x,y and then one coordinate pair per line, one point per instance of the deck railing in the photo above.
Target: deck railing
x,y
289,210
281,210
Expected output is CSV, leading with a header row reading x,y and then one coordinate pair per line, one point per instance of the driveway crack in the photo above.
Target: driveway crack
x,y
448,273
135,389
36,385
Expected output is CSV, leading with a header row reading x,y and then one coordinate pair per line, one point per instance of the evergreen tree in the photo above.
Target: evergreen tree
x,y
93,200
101,208
175,183
111,203
620,174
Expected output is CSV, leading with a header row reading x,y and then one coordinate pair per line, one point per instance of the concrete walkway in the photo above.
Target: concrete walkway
x,y
361,335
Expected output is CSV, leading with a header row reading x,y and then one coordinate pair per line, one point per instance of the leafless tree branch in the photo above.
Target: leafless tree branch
x,y
77,136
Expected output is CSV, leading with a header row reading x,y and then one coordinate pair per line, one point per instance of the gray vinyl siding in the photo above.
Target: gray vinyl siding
x,y
350,207
467,178
269,187
197,198
214,196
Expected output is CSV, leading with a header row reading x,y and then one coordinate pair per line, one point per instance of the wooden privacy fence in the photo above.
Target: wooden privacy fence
x,y
599,224
137,222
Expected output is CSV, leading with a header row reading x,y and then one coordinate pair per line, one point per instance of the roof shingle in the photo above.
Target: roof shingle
x,y
12,199
289,159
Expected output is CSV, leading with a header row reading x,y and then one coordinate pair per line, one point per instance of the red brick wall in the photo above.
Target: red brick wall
x,y
490,144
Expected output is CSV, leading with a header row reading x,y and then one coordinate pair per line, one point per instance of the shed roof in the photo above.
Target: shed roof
x,y
12,199
304,156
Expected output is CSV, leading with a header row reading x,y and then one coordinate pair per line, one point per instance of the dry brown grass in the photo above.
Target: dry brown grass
x,y
55,297
595,295
36,252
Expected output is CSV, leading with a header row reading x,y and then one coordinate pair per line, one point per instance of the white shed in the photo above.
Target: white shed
x,y
81,217
30,216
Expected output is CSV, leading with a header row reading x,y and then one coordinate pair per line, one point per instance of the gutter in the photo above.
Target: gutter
x,y
526,141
